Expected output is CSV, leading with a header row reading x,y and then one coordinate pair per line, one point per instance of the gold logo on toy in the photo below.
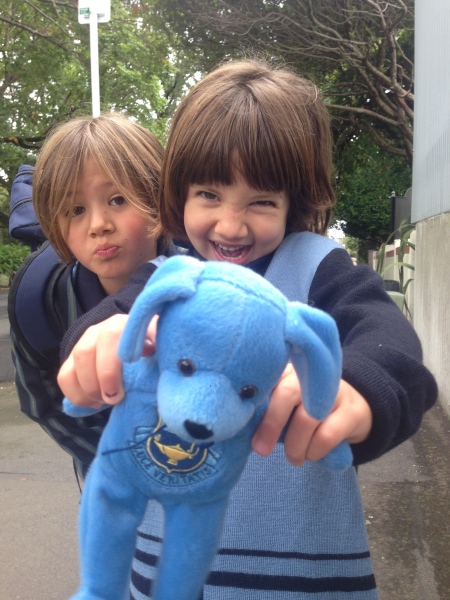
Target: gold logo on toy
x,y
173,454
170,461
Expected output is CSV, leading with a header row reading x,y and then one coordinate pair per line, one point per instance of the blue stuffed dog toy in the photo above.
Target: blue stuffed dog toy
x,y
183,433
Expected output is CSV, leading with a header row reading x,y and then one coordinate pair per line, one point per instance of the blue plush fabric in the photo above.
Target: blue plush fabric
x,y
183,434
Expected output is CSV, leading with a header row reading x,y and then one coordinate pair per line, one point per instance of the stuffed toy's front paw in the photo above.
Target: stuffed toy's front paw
x,y
80,411
339,459
86,595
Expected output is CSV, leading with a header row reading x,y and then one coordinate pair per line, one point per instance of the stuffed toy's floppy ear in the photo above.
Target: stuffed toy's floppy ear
x,y
317,358
316,355
176,278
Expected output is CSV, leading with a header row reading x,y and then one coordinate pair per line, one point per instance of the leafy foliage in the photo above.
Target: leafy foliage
x,y
365,180
11,257
351,244
45,79
5,238
360,52
403,232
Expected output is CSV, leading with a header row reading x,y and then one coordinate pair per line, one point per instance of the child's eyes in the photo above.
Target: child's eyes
x,y
208,195
78,210
264,203
117,201
211,196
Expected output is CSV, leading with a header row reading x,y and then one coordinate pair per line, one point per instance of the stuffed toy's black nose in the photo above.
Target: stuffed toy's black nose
x,y
197,430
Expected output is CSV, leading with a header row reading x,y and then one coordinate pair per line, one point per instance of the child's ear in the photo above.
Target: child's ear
x,y
176,278
316,355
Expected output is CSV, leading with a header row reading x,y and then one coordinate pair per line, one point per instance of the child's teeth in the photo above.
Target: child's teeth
x,y
229,248
230,252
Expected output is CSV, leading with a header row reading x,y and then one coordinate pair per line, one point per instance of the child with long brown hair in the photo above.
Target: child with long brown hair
x,y
246,178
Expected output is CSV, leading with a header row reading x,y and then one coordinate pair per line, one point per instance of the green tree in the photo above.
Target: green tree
x,y
366,177
360,52
45,78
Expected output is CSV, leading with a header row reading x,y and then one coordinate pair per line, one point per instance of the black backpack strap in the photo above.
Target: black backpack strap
x,y
31,305
60,300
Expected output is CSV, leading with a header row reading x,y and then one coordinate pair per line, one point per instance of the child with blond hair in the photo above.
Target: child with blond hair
x,y
95,189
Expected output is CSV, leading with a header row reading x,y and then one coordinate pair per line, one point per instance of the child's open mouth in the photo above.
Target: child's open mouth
x,y
236,254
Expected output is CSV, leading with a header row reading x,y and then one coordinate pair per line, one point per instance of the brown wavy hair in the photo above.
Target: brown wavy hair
x,y
128,154
267,123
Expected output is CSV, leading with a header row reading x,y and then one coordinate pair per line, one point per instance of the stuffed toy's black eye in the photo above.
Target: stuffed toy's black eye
x,y
186,367
247,392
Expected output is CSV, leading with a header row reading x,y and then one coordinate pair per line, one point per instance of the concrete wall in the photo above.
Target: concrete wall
x,y
431,187
432,299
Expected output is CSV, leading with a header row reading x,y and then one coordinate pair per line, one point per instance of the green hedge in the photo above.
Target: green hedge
x,y
11,257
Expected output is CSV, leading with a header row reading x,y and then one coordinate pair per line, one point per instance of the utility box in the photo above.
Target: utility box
x,y
400,210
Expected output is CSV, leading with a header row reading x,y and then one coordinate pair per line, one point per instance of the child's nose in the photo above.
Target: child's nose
x,y
231,226
100,222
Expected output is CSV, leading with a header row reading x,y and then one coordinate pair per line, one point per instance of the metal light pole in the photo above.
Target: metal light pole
x,y
94,12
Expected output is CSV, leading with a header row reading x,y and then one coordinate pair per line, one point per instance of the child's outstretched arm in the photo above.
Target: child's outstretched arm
x,y
92,374
307,438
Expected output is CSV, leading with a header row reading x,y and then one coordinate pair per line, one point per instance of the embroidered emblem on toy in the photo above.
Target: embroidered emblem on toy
x,y
170,460
183,433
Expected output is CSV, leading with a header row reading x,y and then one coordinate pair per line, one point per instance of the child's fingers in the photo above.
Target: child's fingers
x,y
298,437
73,389
150,339
350,419
93,372
285,397
92,375
327,436
77,377
108,366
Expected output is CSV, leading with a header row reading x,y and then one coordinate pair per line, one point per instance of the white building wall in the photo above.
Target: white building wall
x,y
431,169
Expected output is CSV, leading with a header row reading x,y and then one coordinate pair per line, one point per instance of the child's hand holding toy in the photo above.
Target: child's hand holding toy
x,y
307,438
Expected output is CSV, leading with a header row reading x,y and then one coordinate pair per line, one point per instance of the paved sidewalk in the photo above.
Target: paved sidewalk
x,y
406,497
39,506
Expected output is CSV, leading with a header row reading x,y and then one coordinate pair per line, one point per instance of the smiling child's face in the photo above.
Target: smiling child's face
x,y
235,223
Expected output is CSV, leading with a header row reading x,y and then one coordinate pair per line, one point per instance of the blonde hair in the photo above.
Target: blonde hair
x,y
128,154
267,123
